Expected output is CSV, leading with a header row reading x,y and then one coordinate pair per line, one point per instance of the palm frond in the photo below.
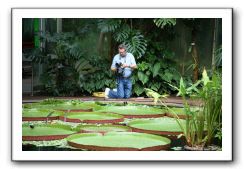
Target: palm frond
x,y
108,24
162,22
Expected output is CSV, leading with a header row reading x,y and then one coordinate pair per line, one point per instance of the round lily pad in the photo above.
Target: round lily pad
x,y
161,126
92,117
102,128
67,106
35,114
119,141
134,111
44,132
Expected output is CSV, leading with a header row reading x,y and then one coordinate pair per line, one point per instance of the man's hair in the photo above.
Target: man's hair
x,y
122,46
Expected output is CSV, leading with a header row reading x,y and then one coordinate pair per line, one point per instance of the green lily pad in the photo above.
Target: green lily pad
x,y
93,117
46,131
118,141
163,126
103,128
130,111
35,112
66,105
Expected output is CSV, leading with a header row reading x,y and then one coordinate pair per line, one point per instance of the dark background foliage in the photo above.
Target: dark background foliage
x,y
74,58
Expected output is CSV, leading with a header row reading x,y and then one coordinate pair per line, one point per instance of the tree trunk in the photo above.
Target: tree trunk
x,y
112,48
100,43
59,25
214,43
195,56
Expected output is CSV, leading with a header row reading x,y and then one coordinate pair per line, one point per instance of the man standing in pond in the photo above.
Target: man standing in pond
x,y
123,65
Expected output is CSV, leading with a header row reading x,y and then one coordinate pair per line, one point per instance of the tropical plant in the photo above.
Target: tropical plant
x,y
123,33
208,117
65,63
109,25
204,123
195,122
211,95
155,73
156,96
162,22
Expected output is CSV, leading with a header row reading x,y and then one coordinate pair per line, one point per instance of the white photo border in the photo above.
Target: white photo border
x,y
227,147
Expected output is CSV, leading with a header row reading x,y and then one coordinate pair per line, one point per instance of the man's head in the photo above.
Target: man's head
x,y
122,50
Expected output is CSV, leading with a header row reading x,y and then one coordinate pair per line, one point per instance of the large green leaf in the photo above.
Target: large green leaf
x,y
84,67
108,24
162,22
156,69
142,77
182,89
167,76
205,77
138,89
155,86
123,34
136,45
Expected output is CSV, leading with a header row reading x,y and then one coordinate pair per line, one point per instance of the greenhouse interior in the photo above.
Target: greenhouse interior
x,y
121,84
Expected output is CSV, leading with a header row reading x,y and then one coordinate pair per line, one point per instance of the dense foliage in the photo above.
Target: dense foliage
x,y
73,65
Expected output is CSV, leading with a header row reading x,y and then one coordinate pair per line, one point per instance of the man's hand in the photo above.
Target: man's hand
x,y
130,66
125,65
114,69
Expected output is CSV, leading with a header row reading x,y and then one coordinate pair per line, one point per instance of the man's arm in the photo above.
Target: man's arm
x,y
133,63
113,67
133,66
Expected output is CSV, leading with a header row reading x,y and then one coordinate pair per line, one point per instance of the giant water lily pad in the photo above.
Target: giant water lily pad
x,y
92,117
119,141
135,111
102,128
161,126
67,106
36,114
46,132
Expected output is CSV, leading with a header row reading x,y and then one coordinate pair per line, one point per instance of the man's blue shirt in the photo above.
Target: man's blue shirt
x,y
127,59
